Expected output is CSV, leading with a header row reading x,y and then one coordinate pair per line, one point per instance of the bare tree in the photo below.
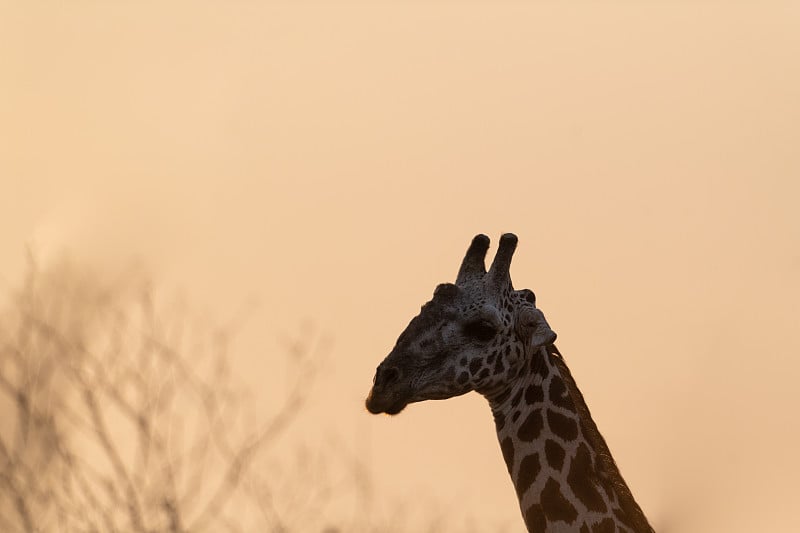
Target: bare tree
x,y
119,416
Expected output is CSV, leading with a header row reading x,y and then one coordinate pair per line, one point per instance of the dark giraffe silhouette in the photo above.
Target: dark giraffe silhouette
x,y
480,334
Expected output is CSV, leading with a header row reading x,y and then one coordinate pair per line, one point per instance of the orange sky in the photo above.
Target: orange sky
x,y
332,163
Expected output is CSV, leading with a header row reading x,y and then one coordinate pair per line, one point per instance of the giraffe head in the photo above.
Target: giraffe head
x,y
475,334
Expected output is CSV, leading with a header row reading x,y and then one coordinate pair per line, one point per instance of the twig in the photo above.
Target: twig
x,y
134,507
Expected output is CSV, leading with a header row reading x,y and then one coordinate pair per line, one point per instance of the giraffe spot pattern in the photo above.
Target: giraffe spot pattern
x,y
542,368
507,447
531,428
585,528
474,366
606,485
555,454
534,394
515,400
503,396
499,421
529,468
582,481
499,366
556,506
606,525
559,395
535,518
562,425
623,517
463,377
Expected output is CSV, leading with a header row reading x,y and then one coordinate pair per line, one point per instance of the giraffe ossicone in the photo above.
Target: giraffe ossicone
x,y
481,335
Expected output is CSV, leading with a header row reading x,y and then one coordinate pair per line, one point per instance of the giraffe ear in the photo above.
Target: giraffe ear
x,y
533,329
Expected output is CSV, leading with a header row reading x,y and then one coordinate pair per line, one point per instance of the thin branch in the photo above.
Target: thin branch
x,y
134,507
86,378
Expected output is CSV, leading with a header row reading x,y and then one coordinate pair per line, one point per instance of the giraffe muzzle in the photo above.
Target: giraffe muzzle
x,y
385,377
384,397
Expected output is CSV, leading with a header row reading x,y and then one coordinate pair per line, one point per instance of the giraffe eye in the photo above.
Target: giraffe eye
x,y
482,331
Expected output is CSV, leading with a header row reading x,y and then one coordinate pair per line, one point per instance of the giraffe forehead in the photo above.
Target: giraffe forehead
x,y
438,318
475,299
455,305
432,315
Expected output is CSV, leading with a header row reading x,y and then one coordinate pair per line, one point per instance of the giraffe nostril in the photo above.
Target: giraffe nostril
x,y
386,376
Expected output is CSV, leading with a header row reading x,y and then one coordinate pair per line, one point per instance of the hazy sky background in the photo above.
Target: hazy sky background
x,y
332,162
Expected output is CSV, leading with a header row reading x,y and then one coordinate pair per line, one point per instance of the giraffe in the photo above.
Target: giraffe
x,y
481,335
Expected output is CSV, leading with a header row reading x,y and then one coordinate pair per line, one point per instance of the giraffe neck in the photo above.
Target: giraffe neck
x,y
563,472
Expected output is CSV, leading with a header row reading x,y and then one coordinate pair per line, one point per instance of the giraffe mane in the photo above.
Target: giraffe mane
x,y
633,513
